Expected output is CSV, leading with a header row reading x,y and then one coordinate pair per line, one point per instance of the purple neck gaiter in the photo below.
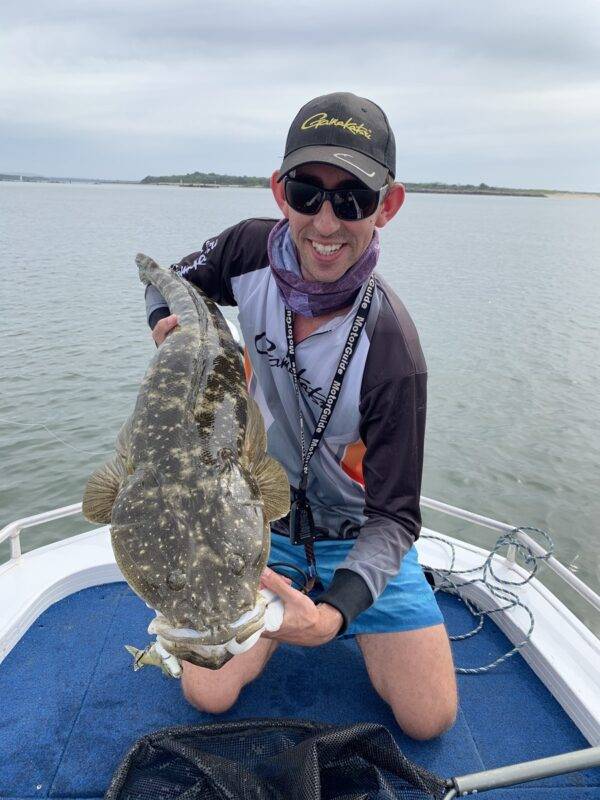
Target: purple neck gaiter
x,y
314,298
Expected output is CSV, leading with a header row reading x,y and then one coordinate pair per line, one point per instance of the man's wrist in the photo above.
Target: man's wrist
x,y
349,593
332,619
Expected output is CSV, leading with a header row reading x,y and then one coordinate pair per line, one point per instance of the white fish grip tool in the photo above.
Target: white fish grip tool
x,y
158,654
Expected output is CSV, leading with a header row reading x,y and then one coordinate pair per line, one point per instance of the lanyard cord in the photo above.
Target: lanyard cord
x,y
332,397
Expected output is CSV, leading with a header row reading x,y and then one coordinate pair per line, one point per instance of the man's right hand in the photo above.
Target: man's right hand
x,y
163,328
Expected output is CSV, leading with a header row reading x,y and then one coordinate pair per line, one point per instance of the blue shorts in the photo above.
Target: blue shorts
x,y
407,603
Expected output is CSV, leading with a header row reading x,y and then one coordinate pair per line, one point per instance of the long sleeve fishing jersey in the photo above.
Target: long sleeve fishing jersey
x,y
365,477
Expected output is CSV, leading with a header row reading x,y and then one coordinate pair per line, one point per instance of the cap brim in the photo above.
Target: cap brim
x,y
370,172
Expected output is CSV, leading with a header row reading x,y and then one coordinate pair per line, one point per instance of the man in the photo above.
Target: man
x,y
312,317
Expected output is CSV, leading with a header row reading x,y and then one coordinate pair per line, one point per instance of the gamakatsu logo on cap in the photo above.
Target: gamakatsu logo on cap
x,y
317,120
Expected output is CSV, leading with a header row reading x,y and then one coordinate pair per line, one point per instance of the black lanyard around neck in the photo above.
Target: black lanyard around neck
x,y
302,528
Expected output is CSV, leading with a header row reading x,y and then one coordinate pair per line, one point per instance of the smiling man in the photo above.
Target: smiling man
x,y
334,362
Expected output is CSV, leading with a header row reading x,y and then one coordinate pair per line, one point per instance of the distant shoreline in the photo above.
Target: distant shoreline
x,y
231,182
416,189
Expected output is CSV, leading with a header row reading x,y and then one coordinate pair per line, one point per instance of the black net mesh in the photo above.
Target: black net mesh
x,y
271,759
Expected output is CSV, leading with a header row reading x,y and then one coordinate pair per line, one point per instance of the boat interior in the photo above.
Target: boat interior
x,y
72,706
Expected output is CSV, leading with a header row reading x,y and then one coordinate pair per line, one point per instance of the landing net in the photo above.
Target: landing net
x,y
271,759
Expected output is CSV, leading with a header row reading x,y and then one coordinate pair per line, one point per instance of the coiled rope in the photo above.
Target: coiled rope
x,y
496,586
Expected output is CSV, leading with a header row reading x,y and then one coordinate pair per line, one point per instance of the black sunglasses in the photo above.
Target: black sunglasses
x,y
349,204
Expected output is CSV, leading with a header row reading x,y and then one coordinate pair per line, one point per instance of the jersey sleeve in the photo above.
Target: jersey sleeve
x,y
239,249
392,426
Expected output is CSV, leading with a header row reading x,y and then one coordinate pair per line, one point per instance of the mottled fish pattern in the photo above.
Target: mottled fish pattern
x,y
191,491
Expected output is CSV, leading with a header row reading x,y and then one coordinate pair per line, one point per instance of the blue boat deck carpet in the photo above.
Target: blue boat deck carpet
x,y
72,705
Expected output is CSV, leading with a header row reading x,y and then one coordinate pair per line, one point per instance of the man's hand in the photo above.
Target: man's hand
x,y
304,622
163,328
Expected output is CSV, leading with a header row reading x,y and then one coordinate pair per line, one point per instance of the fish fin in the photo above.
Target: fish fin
x,y
169,664
255,441
143,657
122,445
274,487
269,474
101,490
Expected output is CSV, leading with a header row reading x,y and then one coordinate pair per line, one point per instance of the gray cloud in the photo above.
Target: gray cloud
x,y
535,32
508,93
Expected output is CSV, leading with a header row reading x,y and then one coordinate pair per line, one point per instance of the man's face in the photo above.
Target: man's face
x,y
315,236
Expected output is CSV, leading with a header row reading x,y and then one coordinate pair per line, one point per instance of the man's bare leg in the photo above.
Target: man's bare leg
x,y
414,673
215,691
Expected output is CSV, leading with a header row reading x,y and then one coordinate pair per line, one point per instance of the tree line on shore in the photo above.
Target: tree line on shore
x,y
208,179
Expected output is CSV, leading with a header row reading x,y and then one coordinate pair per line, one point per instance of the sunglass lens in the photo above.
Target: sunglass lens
x,y
355,204
303,197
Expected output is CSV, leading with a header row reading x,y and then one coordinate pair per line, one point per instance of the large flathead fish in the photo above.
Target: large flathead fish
x,y
190,491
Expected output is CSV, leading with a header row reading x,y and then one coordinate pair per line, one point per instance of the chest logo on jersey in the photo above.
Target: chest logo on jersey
x,y
268,349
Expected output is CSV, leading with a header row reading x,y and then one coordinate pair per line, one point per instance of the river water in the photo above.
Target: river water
x,y
505,292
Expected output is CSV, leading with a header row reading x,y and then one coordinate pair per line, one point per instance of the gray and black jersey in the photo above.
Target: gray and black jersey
x,y
365,477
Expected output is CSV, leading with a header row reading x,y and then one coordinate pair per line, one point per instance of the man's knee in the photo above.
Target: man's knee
x,y
207,698
214,692
424,700
431,723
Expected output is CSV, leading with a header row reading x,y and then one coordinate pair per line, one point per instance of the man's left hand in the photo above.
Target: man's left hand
x,y
304,623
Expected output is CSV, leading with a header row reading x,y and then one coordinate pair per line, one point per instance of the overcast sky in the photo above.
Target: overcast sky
x,y
507,93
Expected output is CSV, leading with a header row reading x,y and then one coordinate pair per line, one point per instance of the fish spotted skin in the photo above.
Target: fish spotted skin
x,y
189,523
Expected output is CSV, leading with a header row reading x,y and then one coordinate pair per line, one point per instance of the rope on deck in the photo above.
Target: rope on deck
x,y
495,585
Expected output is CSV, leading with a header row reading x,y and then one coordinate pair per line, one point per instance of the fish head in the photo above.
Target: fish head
x,y
146,535
194,553
237,536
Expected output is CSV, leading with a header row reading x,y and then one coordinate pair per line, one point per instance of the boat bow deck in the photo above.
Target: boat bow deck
x,y
73,705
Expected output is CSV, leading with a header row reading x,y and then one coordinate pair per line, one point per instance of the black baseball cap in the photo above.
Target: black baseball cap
x,y
346,131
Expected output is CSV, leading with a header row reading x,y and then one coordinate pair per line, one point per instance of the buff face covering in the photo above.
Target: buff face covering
x,y
314,298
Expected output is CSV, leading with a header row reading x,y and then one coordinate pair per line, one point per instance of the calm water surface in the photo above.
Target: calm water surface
x,y
505,293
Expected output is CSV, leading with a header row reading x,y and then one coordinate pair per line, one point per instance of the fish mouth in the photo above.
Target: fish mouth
x,y
209,648
234,633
